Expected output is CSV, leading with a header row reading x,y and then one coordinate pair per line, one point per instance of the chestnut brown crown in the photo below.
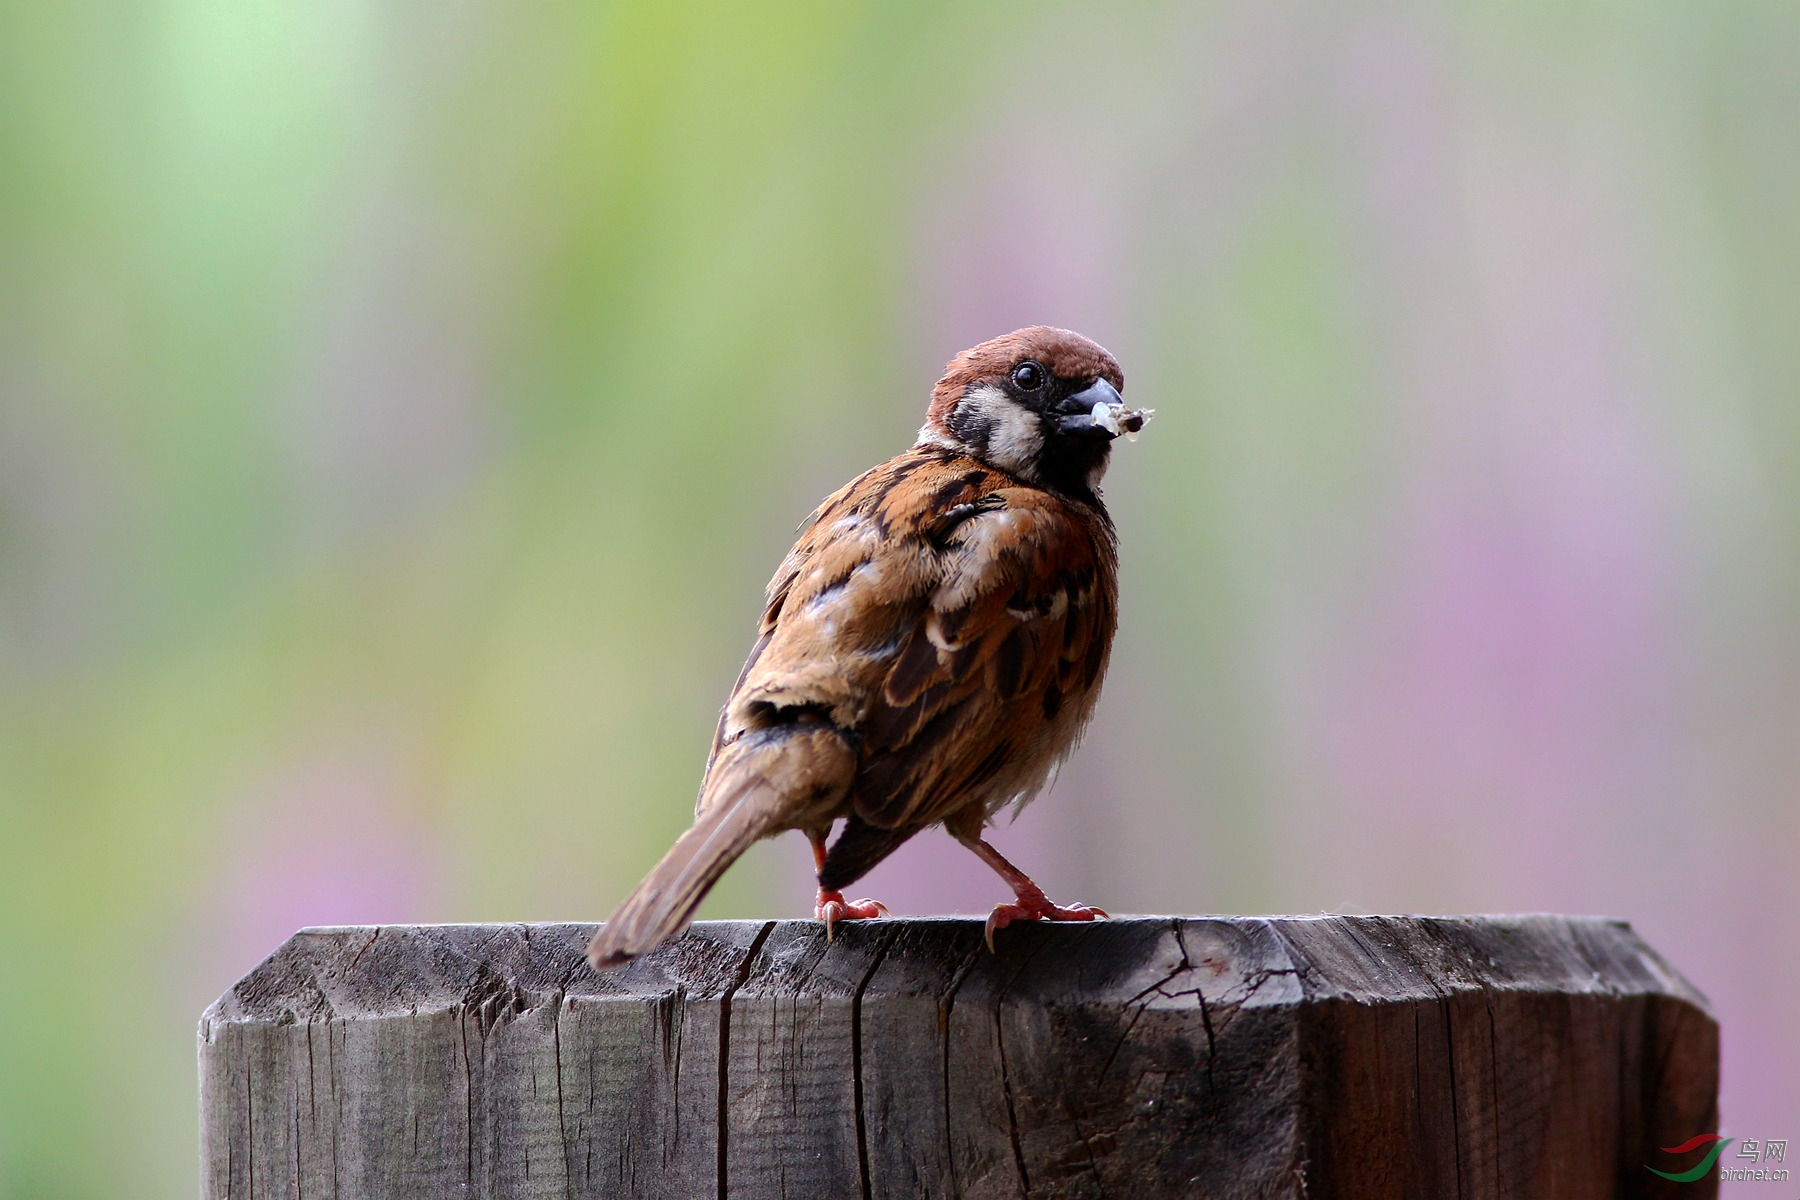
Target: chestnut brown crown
x,y
1066,353
1037,403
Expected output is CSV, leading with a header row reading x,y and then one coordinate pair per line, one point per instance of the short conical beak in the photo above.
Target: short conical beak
x,y
1077,411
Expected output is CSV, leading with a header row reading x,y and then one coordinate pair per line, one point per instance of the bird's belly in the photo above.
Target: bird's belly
x,y
1027,772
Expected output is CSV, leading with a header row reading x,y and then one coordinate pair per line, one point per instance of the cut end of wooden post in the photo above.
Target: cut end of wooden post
x,y
1244,1056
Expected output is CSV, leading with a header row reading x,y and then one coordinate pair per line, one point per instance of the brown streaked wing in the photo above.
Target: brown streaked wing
x,y
842,602
1020,623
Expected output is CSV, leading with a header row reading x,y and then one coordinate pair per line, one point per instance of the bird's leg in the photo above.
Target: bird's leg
x,y
1032,904
831,907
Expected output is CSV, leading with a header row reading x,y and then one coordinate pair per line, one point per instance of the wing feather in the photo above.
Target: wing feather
x,y
944,616
1007,634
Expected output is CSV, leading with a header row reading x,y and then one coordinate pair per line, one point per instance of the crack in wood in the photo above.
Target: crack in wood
x,y
743,973
562,1119
856,1059
946,1004
1456,1130
1012,1112
462,1026
294,1146
250,1127
357,957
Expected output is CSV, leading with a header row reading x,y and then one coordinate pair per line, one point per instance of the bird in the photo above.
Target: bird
x,y
931,649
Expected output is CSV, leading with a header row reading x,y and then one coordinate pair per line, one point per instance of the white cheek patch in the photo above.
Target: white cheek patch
x,y
1015,436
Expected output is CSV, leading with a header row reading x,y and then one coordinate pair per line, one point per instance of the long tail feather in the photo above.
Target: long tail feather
x,y
760,790
664,903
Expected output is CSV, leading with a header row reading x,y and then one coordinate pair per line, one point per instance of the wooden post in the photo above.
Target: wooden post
x,y
1375,1057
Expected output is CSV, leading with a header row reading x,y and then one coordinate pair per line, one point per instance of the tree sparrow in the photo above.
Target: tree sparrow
x,y
932,647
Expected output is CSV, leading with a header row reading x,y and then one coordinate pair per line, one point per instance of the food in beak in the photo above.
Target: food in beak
x,y
1121,419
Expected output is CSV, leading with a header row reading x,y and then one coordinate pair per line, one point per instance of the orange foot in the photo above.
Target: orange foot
x,y
1033,905
831,907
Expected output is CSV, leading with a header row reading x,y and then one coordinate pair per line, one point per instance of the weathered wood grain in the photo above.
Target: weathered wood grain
x,y
1220,1057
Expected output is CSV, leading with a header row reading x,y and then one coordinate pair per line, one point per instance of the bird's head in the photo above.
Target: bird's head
x,y
1039,403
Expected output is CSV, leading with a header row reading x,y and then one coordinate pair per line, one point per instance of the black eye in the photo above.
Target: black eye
x,y
1028,376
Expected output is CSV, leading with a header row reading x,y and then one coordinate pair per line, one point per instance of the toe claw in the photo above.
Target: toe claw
x,y
1002,916
831,908
1039,910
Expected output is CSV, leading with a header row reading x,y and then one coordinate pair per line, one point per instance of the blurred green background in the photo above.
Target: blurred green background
x,y
403,404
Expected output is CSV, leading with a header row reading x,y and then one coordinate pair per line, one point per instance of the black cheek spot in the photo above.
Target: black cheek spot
x,y
971,427
1052,702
